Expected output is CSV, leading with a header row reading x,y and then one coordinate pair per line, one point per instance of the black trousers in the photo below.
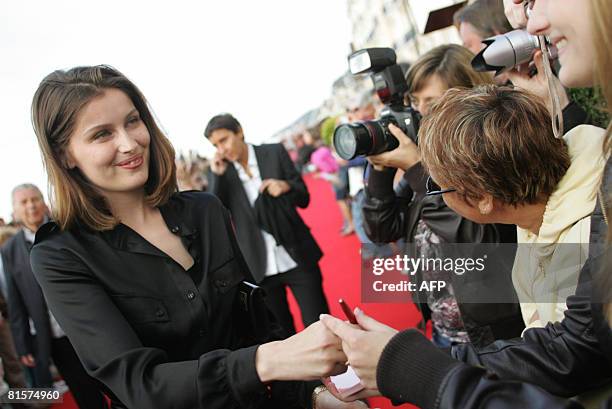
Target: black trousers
x,y
85,390
306,284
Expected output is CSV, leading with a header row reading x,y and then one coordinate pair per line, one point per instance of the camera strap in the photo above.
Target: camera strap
x,y
555,103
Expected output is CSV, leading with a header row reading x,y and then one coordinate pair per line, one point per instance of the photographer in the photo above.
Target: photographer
x,y
425,220
483,19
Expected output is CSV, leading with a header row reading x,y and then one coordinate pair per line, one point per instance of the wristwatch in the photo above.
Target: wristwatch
x,y
315,394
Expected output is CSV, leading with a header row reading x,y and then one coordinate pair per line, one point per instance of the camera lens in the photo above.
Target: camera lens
x,y
505,51
345,140
359,138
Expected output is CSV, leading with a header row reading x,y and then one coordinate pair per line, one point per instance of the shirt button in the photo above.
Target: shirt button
x,y
221,283
191,295
174,229
160,313
201,333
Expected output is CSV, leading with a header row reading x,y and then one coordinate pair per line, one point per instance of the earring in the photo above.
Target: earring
x,y
485,210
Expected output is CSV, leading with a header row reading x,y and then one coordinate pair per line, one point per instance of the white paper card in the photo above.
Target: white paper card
x,y
347,383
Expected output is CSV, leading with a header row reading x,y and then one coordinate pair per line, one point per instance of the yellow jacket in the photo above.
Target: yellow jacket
x,y
547,265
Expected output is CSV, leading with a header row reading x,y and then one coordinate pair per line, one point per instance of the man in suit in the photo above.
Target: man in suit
x,y
45,341
261,188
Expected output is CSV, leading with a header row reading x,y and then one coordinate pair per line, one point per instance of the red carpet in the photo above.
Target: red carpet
x,y
68,402
341,272
341,267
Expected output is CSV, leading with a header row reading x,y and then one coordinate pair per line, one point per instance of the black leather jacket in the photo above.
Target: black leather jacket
x,y
565,358
562,359
412,370
390,215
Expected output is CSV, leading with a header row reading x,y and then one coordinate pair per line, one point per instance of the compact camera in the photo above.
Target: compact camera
x,y
505,51
367,138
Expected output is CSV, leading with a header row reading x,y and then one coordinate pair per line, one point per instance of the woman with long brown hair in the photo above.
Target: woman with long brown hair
x,y
148,283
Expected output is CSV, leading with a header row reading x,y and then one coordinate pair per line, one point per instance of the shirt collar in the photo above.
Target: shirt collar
x,y
124,238
178,218
252,160
31,235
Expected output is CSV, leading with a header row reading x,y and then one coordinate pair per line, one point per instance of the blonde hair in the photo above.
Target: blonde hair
x,y
601,12
59,99
602,19
451,63
494,140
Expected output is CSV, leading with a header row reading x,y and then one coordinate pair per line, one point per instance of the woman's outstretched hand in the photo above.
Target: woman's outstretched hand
x,y
311,354
363,345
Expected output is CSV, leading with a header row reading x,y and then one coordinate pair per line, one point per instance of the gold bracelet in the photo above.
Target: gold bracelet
x,y
315,394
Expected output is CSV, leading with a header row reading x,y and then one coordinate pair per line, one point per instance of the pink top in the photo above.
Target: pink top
x,y
323,159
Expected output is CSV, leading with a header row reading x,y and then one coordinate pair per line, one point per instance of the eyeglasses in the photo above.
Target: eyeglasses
x,y
431,188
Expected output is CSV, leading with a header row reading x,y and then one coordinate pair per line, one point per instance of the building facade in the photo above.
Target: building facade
x,y
398,24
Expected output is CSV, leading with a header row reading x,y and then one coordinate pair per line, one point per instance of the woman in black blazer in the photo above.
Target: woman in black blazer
x,y
146,281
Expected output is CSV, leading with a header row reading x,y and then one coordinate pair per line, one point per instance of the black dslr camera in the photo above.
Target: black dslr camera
x,y
373,137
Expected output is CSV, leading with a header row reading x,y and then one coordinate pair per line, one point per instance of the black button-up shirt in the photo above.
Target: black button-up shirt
x,y
156,335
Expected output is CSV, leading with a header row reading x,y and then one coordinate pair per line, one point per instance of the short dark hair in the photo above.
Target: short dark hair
x,y
222,121
487,17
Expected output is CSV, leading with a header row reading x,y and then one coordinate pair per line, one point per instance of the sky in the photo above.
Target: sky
x,y
266,62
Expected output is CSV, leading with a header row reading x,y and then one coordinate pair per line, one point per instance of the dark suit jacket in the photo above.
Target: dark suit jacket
x,y
274,162
26,301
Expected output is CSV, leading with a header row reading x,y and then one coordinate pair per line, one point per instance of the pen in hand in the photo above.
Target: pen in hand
x,y
347,311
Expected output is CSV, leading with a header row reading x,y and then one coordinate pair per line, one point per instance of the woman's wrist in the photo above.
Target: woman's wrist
x,y
315,394
265,363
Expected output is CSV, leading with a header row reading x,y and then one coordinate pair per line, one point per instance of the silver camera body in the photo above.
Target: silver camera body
x,y
505,51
